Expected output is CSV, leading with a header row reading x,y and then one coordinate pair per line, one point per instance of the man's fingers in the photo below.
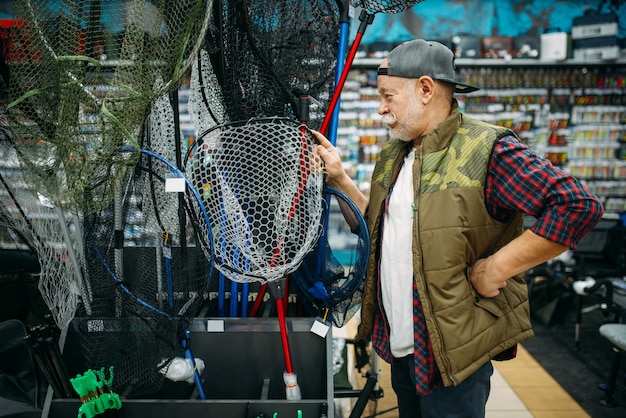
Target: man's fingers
x,y
321,138
323,141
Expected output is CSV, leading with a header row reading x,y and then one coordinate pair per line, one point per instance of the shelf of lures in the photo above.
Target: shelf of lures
x,y
570,112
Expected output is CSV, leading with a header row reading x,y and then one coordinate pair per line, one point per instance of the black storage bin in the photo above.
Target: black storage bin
x,y
244,365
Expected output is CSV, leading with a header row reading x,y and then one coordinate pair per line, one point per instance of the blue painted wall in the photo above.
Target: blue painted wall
x,y
442,19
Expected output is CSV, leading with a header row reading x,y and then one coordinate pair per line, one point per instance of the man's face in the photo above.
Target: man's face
x,y
400,107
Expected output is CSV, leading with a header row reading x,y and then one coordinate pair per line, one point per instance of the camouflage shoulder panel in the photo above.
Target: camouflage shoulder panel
x,y
384,166
464,162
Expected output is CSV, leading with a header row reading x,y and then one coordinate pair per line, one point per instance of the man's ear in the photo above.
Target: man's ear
x,y
427,86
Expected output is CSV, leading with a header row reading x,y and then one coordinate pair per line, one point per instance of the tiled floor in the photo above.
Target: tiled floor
x,y
521,388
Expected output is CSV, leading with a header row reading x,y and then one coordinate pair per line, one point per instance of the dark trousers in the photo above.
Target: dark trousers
x,y
467,400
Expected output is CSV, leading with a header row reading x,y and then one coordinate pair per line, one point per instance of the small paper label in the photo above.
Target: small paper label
x,y
215,326
351,11
175,184
320,328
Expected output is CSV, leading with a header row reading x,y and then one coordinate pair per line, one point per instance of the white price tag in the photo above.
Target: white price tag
x,y
215,325
175,184
320,327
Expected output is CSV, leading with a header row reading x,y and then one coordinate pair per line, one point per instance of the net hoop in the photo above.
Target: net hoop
x,y
335,288
262,185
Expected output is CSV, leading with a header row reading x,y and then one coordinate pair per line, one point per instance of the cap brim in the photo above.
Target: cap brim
x,y
464,88
460,87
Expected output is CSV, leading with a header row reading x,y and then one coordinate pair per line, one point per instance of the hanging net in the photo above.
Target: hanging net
x,y
148,275
54,235
83,77
262,185
261,56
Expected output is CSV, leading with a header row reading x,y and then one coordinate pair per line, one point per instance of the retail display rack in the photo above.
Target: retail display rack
x,y
572,112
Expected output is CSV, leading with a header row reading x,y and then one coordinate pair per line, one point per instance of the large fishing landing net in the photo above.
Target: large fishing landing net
x,y
83,77
262,185
148,275
261,56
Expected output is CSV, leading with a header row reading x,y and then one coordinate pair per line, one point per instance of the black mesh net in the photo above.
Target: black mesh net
x,y
264,54
148,275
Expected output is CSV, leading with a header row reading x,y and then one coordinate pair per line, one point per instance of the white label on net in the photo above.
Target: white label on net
x,y
215,326
319,328
175,184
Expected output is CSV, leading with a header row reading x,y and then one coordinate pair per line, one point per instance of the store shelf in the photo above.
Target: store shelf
x,y
570,112
515,62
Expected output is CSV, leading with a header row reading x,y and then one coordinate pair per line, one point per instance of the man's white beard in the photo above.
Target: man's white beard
x,y
403,129
389,119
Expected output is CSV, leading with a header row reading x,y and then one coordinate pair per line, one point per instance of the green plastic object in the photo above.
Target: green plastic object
x,y
89,387
101,376
111,400
86,383
89,410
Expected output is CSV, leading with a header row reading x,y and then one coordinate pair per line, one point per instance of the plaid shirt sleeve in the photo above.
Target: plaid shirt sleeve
x,y
519,180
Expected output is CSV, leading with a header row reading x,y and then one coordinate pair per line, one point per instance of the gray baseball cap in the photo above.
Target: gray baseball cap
x,y
416,58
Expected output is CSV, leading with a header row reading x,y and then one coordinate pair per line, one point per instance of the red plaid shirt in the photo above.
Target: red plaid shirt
x,y
519,181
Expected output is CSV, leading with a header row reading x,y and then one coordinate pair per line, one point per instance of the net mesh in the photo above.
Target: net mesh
x,y
206,104
84,75
387,6
262,187
331,277
262,55
148,276
53,233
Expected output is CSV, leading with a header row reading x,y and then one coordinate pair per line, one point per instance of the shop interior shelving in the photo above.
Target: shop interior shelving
x,y
572,112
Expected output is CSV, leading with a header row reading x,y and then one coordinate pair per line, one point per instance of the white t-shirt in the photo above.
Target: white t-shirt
x,y
396,263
